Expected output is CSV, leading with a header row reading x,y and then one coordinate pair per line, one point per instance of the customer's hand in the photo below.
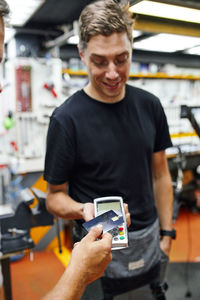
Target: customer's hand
x,y
88,262
90,257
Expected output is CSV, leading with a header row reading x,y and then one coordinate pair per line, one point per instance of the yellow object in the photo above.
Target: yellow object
x,y
64,257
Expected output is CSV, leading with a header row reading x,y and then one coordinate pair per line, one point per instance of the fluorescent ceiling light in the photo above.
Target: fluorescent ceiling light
x,y
167,43
9,34
21,11
195,50
168,11
73,40
136,33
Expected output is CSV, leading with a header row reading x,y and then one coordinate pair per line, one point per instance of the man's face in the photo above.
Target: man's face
x,y
1,41
107,59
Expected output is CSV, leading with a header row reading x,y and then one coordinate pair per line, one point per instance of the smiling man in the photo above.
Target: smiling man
x,y
109,139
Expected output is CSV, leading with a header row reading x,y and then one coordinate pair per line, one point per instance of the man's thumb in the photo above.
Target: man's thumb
x,y
94,233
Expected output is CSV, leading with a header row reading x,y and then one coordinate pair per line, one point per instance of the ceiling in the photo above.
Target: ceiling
x,y
55,13
55,18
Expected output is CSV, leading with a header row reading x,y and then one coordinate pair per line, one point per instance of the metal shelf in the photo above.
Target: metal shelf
x,y
139,75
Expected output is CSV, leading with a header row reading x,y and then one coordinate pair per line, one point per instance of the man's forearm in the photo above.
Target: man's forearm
x,y
163,194
62,205
69,287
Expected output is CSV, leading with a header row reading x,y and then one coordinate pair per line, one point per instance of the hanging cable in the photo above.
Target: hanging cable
x,y
188,293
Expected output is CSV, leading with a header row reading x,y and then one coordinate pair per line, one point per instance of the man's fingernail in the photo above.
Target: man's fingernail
x,y
100,226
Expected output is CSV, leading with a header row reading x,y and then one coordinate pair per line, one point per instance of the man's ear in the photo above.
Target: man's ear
x,y
81,54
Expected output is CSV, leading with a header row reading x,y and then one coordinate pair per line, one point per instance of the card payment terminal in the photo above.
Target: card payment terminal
x,y
119,233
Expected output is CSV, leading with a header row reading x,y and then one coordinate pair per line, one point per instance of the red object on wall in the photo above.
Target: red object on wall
x,y
50,87
14,145
23,88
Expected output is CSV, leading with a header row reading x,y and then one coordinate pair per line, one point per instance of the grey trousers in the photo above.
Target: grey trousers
x,y
94,291
143,293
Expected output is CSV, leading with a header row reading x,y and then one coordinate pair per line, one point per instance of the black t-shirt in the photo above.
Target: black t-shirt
x,y
104,149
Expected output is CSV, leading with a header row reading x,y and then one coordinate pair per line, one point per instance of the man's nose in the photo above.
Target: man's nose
x,y
111,72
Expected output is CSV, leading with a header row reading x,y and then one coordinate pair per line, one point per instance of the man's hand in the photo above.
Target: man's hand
x,y
91,257
165,244
128,216
88,211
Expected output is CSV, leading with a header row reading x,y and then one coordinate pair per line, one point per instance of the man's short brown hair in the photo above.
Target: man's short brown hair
x,y
104,17
4,8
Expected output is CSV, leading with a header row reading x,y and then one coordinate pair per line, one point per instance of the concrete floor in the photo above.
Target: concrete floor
x,y
183,278
33,279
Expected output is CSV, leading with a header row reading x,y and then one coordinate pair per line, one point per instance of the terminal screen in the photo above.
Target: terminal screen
x,y
105,206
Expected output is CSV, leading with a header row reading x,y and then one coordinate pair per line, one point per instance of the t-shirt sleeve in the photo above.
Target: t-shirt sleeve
x,y
60,154
162,140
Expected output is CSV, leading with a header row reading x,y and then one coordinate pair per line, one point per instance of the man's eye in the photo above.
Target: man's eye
x,y
121,60
100,63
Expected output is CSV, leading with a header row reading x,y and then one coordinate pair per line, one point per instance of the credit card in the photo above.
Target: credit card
x,y
108,220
